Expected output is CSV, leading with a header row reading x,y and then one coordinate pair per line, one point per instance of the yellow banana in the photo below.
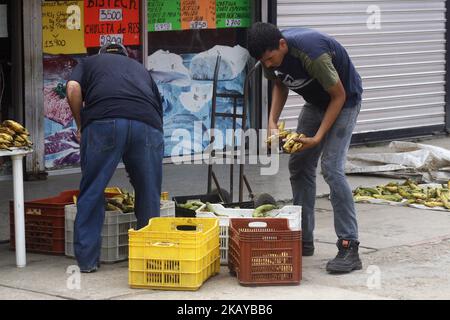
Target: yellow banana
x,y
18,144
291,145
393,197
419,195
7,130
17,127
297,146
5,142
6,137
432,204
4,147
391,188
359,198
18,138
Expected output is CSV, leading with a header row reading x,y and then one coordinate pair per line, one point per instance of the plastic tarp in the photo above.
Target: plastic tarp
x,y
407,159
233,61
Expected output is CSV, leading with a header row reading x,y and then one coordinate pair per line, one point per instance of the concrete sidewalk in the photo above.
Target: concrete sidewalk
x,y
405,251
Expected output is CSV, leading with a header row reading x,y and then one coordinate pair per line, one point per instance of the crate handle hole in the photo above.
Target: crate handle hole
x,y
187,228
163,244
258,224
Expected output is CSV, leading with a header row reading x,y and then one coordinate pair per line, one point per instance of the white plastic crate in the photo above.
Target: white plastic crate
x,y
167,208
292,213
114,234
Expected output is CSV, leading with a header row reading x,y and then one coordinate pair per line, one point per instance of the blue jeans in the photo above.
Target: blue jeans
x,y
103,144
302,168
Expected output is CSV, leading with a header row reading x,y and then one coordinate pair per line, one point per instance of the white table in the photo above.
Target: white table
x,y
17,155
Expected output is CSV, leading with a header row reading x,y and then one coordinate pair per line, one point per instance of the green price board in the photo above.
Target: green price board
x,y
233,13
167,15
163,15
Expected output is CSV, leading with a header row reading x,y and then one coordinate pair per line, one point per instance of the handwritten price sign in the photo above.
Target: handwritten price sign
x,y
62,27
107,21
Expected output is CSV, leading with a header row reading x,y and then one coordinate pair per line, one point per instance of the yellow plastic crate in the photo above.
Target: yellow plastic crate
x,y
174,253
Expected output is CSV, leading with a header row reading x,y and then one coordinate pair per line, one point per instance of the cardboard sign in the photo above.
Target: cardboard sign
x,y
111,20
163,15
198,14
62,27
233,13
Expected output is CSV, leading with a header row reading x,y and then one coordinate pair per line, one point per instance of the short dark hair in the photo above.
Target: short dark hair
x,y
113,47
262,37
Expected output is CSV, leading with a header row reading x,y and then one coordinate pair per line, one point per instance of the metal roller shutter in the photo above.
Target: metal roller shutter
x,y
402,63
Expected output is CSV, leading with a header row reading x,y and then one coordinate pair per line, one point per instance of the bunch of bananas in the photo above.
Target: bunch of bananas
x,y
409,191
282,134
194,205
263,211
123,202
13,134
290,145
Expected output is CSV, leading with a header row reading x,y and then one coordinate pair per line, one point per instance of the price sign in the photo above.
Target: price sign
x,y
233,13
163,15
62,27
111,21
198,14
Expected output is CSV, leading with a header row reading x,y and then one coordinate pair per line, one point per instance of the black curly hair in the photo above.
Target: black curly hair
x,y
262,37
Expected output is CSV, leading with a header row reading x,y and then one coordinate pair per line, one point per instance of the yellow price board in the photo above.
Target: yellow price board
x,y
63,27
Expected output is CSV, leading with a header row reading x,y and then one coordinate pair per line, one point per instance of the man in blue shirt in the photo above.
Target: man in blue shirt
x,y
121,119
318,68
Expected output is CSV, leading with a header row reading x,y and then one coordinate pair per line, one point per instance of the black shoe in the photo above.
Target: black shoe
x,y
90,270
347,258
307,248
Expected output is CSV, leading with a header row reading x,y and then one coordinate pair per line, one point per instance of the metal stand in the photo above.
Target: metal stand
x,y
234,115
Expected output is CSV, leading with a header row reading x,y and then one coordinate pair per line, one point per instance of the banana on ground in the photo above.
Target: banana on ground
x,y
408,191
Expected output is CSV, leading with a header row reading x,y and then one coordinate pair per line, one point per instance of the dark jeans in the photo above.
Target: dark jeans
x,y
302,167
103,144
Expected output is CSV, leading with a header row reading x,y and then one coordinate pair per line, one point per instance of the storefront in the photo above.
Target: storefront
x,y
399,47
177,40
11,67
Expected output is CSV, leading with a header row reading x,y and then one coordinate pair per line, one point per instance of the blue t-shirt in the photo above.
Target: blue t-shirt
x,y
315,62
115,86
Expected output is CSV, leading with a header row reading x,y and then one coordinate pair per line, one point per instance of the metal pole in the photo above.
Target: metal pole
x,y
244,127
213,120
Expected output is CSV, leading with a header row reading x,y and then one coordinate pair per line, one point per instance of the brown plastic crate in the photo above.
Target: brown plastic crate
x,y
268,254
44,223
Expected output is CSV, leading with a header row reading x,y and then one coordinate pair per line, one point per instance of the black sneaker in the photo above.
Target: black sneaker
x,y
347,258
307,248
90,270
